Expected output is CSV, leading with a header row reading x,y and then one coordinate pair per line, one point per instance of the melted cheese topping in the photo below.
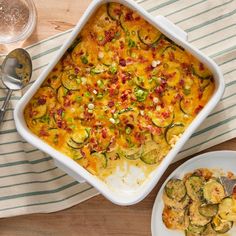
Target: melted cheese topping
x,y
122,93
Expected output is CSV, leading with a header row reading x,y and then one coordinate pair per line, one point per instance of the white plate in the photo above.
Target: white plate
x,y
223,160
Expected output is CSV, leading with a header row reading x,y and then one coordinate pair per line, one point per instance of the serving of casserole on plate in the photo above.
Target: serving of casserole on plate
x,y
118,100
193,202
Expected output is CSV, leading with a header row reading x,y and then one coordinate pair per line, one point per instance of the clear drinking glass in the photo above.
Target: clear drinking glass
x,y
17,20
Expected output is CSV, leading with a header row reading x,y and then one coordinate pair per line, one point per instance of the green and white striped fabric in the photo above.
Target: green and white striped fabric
x,y
29,180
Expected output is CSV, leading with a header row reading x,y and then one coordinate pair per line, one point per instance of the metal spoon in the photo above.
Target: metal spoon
x,y
16,71
228,184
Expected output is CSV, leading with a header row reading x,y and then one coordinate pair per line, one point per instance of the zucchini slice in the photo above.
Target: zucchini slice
x,y
101,159
209,231
227,209
173,131
195,229
69,81
77,154
61,92
80,136
175,218
194,185
73,145
132,153
113,12
150,157
208,210
195,217
39,111
168,49
175,189
187,105
162,122
189,233
176,204
201,73
148,35
98,69
221,226
213,191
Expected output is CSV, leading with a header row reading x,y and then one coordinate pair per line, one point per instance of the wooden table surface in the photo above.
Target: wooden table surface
x,y
96,216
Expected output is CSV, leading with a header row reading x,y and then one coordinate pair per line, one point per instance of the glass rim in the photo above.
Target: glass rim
x,y
29,28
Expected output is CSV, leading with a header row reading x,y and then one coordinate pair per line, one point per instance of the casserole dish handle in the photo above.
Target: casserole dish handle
x,y
169,26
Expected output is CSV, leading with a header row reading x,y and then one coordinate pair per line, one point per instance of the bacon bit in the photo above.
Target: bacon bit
x,y
178,96
77,70
109,35
123,79
111,92
41,101
201,66
81,52
43,133
129,16
137,18
142,59
54,69
114,79
117,11
122,45
67,102
187,68
172,56
124,96
111,104
159,90
181,82
149,68
69,130
165,114
200,95
198,109
92,35
141,106
104,133
122,62
60,111
154,130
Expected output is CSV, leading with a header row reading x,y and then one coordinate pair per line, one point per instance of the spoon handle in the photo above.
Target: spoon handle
x,y
4,106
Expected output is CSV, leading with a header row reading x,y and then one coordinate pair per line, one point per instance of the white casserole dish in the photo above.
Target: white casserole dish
x,y
129,195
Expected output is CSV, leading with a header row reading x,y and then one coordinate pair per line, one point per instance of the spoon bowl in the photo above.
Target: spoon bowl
x,y
15,73
16,69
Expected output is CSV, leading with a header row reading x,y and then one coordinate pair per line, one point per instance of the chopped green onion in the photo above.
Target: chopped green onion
x,y
78,80
63,114
140,94
187,91
100,37
99,95
131,43
128,130
117,34
113,69
84,59
125,110
100,83
70,119
87,94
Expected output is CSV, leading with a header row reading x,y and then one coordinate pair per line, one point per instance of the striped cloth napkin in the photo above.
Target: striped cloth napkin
x,y
29,180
